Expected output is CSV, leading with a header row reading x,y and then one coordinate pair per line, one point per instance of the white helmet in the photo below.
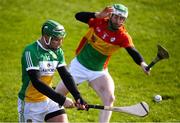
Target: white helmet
x,y
120,9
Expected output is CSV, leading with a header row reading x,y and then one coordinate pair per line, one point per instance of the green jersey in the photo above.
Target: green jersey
x,y
36,57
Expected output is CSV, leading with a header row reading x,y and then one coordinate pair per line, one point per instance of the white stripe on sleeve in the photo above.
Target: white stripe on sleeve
x,y
28,59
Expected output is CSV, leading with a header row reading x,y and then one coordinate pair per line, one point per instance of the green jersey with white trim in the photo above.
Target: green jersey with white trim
x,y
36,57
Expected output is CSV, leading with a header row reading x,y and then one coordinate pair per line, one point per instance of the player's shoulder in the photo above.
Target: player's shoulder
x,y
31,47
122,30
98,20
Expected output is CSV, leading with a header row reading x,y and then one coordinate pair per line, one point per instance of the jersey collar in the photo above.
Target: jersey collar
x,y
41,46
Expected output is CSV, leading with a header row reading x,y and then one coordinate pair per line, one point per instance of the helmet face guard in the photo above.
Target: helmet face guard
x,y
121,10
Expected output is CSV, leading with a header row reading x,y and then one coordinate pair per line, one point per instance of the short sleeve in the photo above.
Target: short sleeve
x,y
61,58
92,22
29,60
127,40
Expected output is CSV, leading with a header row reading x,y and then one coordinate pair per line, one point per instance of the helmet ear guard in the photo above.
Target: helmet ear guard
x,y
121,10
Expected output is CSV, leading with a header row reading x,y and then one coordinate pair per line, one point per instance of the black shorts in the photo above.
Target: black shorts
x,y
53,114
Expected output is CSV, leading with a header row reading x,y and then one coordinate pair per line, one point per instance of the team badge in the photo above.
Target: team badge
x,y
49,65
112,39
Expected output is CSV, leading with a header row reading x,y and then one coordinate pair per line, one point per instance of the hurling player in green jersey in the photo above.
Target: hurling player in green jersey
x,y
106,34
37,101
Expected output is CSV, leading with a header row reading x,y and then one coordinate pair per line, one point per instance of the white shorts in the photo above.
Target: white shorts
x,y
81,73
36,112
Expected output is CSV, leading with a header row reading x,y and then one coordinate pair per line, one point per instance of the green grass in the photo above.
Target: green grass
x,y
150,22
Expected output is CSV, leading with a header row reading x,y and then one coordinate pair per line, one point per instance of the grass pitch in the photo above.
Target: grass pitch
x,y
149,23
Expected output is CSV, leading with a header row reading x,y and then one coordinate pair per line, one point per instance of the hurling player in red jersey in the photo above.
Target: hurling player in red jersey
x,y
106,34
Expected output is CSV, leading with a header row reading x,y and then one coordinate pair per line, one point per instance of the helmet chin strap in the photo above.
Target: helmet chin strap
x,y
47,42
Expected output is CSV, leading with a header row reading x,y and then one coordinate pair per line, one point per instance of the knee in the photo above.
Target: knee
x,y
109,100
112,98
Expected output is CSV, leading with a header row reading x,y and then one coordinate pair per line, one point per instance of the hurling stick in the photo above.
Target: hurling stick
x,y
161,54
141,109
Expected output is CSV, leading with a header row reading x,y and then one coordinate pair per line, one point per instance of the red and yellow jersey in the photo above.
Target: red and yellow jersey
x,y
100,43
